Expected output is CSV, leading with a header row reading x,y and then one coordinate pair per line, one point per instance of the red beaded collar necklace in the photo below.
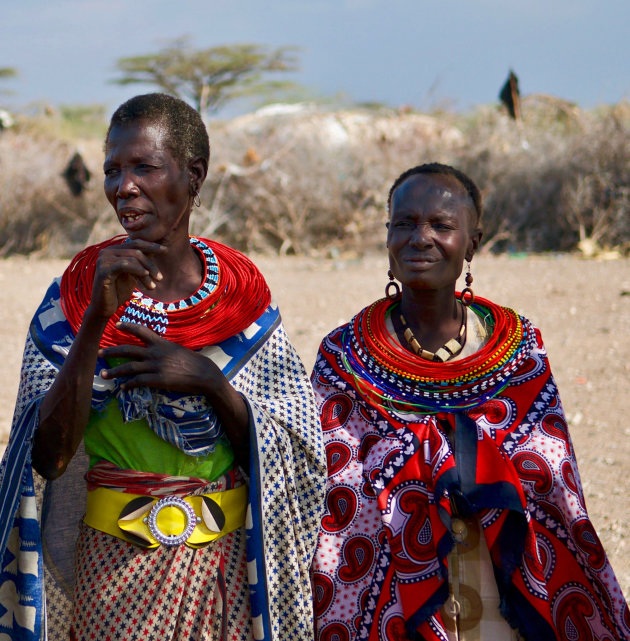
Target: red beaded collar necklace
x,y
232,296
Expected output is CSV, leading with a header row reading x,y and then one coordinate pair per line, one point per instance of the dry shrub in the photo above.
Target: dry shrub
x,y
303,181
296,179
308,180
557,181
38,214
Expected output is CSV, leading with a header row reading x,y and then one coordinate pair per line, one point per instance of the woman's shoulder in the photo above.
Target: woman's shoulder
x,y
483,307
223,250
338,338
334,335
233,259
502,323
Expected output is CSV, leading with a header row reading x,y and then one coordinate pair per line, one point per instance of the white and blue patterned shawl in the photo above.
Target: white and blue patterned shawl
x,y
286,476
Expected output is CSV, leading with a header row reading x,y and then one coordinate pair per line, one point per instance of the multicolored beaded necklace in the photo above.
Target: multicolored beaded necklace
x,y
393,377
232,295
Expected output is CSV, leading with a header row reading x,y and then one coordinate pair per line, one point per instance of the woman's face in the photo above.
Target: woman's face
x,y
431,231
145,185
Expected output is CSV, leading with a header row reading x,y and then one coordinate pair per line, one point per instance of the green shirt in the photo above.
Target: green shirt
x,y
134,446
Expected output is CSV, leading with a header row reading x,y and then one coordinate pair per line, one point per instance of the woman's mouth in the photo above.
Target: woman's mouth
x,y
132,220
420,260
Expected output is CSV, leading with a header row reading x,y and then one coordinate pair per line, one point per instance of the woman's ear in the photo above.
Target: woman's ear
x,y
198,169
475,241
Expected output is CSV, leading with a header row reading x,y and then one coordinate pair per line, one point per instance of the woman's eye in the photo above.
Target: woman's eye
x,y
111,171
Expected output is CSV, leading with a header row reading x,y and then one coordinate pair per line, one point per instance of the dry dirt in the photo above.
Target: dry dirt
x,y
581,306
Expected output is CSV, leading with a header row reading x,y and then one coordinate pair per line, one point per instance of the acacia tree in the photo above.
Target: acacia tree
x,y
209,78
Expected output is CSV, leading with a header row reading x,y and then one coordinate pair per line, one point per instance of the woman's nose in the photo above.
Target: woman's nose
x,y
127,186
421,235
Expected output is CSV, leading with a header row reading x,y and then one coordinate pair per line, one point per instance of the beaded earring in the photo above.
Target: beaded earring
x,y
467,296
388,287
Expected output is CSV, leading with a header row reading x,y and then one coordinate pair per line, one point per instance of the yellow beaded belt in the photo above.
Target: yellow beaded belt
x,y
148,521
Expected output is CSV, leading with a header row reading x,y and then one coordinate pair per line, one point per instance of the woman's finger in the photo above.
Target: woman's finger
x,y
145,246
142,379
128,369
123,353
133,258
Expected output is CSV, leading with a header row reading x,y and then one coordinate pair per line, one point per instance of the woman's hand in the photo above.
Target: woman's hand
x,y
161,364
119,270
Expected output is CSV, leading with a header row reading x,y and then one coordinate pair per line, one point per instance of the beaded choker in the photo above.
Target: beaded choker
x,y
451,348
232,296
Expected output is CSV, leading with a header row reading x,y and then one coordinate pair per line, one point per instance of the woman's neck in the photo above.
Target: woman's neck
x,y
182,272
433,316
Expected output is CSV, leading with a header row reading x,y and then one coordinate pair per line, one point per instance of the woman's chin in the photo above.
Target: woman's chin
x,y
428,287
141,233
137,236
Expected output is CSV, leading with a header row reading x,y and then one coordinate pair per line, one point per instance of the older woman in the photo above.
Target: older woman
x,y
165,356
454,505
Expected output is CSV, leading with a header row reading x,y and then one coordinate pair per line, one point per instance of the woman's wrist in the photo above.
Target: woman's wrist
x,y
95,318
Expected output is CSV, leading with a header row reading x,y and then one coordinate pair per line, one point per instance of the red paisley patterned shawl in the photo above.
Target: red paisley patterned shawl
x,y
380,571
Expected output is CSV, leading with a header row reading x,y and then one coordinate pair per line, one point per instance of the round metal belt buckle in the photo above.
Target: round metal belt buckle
x,y
171,539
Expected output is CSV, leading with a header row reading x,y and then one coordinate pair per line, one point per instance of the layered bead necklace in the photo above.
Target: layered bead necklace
x,y
395,378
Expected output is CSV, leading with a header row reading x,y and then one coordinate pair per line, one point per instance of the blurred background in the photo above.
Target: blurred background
x,y
315,107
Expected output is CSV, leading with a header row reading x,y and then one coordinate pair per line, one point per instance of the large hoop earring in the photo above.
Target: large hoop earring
x,y
196,199
392,284
467,296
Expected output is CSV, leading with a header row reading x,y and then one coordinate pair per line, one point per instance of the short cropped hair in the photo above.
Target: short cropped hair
x,y
446,170
186,138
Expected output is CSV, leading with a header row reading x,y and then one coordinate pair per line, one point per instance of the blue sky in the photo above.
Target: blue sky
x,y
415,52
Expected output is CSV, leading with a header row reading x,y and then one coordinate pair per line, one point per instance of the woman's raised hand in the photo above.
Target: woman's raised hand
x,y
119,270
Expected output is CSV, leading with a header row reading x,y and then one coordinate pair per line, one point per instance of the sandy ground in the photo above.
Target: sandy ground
x,y
582,308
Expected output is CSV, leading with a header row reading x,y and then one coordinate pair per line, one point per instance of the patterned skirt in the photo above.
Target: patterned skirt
x,y
166,594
